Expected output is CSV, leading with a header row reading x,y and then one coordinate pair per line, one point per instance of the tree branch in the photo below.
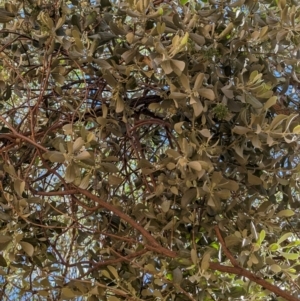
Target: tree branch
x,y
153,244
233,261
243,272
238,270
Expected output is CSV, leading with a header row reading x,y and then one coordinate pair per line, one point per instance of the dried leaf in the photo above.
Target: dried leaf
x,y
207,93
195,165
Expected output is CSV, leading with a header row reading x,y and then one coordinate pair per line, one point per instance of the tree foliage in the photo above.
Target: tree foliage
x,y
149,150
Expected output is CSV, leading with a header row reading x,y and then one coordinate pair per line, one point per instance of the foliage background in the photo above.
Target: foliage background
x,y
149,150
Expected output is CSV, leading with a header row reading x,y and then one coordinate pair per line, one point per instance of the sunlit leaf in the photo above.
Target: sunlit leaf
x,y
290,256
207,93
286,213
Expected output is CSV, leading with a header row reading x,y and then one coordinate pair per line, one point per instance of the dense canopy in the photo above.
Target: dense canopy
x,y
149,150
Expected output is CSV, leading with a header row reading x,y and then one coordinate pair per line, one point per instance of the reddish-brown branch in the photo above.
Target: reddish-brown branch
x,y
238,270
152,245
16,134
243,272
114,261
155,246
54,193
226,251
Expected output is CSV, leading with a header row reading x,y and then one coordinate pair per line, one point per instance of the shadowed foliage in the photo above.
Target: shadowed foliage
x,y
149,150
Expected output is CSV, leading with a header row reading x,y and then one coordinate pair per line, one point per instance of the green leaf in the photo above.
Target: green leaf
x,y
83,155
114,181
19,187
205,132
198,82
166,65
68,129
237,3
197,106
277,121
119,105
284,237
106,274
271,102
296,130
67,293
109,167
274,247
178,127
205,261
5,239
113,271
255,103
198,39
113,298
85,182
261,237
10,170
226,31
78,144
54,156
285,213
3,262
178,95
188,197
194,256
70,174
240,130
254,180
6,16
142,163
173,153
290,256
195,165
223,194
150,267
165,206
27,247
177,66
177,276
184,2
275,268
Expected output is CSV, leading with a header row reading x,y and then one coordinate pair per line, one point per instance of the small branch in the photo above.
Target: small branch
x,y
233,261
238,270
114,261
16,134
243,272
153,244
